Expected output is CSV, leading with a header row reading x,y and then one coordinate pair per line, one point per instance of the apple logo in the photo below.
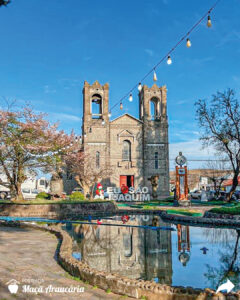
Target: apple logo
x,y
13,286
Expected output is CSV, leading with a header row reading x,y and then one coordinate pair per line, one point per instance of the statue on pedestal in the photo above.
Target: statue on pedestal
x,y
154,182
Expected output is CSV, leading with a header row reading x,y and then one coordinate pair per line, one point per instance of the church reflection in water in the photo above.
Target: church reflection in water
x,y
164,256
133,252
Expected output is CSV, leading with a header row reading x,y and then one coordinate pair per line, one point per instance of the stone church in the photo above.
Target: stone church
x,y
136,149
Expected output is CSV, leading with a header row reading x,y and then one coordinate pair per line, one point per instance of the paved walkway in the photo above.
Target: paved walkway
x,y
28,256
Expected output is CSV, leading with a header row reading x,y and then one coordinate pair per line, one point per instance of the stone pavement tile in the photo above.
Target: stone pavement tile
x,y
30,254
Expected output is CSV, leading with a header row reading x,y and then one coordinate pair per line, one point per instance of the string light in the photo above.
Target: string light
x,y
139,87
90,129
85,135
169,60
167,56
103,122
109,114
154,76
130,97
209,22
188,44
51,153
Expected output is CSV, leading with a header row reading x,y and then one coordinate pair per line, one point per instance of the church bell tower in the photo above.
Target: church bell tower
x,y
153,113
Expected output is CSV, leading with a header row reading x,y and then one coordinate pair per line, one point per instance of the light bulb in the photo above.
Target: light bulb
x,y
139,87
85,134
188,44
109,114
209,22
154,76
130,97
169,60
121,105
103,122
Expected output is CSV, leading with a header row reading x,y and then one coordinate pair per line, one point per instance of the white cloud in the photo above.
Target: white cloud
x,y
181,102
149,52
48,90
192,149
185,135
199,61
175,122
64,117
68,83
232,36
197,156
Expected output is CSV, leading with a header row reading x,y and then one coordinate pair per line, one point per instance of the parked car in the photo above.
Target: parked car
x,y
29,194
196,194
211,195
237,194
222,195
106,195
4,195
78,189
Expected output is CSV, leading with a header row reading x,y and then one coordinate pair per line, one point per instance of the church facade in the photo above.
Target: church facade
x,y
134,149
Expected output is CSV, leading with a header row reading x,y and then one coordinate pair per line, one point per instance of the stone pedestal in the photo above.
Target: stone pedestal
x,y
56,187
184,203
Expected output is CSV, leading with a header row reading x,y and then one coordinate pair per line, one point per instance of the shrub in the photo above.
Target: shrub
x,y
43,195
76,196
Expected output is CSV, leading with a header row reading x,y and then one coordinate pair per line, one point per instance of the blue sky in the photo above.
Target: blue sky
x,y
48,50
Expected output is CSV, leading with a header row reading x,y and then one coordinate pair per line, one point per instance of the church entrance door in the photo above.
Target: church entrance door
x,y
127,180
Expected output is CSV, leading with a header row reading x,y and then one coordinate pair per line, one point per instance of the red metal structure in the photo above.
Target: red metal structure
x,y
181,183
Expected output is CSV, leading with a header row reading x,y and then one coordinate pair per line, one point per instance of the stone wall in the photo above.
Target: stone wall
x,y
208,214
209,219
57,211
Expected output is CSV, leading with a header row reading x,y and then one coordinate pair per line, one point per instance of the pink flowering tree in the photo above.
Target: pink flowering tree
x,y
85,171
28,142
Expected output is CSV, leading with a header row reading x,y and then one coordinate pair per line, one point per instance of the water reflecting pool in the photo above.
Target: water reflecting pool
x,y
188,256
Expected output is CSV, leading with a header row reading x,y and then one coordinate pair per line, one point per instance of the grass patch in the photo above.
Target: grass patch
x,y
108,291
72,277
184,212
147,205
233,210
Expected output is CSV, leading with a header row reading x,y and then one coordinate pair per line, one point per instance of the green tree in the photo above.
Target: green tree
x,y
219,121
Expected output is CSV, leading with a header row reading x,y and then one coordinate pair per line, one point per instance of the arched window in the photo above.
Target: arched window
x,y
156,160
155,109
126,152
97,159
96,106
